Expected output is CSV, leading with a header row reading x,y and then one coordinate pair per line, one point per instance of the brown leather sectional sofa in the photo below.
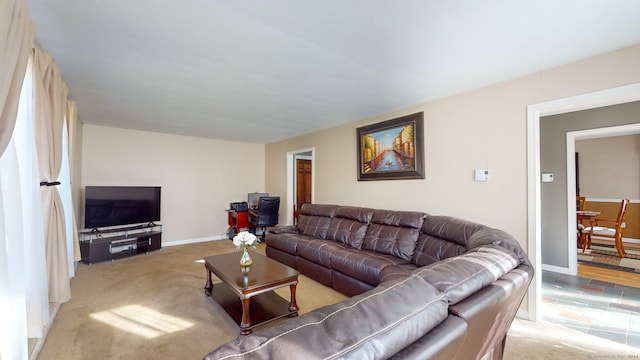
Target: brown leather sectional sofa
x,y
422,287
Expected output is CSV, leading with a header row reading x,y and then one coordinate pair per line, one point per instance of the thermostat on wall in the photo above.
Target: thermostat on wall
x,y
481,175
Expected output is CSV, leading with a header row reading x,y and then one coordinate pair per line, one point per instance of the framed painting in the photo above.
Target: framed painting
x,y
391,149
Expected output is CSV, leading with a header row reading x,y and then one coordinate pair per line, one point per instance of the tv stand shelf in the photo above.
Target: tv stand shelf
x,y
113,243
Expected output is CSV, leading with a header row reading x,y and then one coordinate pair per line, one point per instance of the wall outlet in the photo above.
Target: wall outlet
x,y
624,225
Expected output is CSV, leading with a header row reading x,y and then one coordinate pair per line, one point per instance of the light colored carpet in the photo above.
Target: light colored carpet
x,y
153,306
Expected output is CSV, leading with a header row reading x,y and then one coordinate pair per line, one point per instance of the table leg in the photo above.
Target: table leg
x,y
245,324
209,286
292,305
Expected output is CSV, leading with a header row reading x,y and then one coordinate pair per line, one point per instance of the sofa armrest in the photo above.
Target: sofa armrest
x,y
490,312
461,276
498,238
441,343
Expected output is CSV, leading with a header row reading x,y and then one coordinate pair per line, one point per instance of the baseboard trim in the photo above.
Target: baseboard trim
x,y
193,241
556,269
523,314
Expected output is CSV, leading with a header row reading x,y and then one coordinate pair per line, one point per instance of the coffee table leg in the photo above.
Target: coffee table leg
x,y
209,286
292,305
245,324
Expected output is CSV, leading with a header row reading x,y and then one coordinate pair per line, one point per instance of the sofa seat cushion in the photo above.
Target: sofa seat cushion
x,y
363,265
314,219
320,252
460,276
288,242
394,233
372,325
349,225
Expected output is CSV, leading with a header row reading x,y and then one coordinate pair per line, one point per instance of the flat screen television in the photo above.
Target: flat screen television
x,y
106,206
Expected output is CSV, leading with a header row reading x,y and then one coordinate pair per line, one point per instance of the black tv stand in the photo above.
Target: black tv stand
x,y
108,244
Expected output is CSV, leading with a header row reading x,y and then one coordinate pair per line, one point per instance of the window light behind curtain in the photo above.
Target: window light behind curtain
x,y
16,37
37,295
26,248
65,196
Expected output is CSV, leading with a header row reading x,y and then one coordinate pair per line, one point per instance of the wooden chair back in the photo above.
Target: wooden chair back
x,y
621,214
614,231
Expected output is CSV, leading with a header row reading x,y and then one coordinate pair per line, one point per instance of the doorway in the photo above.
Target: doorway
x,y
619,95
572,177
303,180
300,180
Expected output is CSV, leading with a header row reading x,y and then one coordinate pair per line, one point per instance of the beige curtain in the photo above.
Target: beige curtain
x,y
50,107
16,36
72,121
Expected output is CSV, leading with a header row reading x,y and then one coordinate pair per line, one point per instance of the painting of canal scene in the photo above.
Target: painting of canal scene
x,y
391,149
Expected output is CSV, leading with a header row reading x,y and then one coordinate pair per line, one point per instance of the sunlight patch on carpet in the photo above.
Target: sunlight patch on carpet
x,y
142,321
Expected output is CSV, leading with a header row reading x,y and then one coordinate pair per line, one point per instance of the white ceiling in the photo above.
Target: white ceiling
x,y
266,70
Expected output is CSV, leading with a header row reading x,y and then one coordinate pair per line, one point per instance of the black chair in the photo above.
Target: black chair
x,y
266,214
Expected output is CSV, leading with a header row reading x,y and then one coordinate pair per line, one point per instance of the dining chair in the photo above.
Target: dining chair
x,y
614,231
267,213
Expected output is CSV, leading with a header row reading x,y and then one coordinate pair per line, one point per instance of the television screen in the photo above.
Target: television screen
x,y
254,198
120,205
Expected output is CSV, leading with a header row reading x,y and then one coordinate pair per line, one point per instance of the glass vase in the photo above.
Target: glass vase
x,y
245,260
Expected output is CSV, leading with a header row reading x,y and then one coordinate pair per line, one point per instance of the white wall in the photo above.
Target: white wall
x,y
483,128
610,167
199,177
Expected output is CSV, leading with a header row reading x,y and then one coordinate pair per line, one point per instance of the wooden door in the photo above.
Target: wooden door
x,y
577,174
303,182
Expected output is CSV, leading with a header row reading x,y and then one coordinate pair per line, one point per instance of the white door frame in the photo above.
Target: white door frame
x,y
618,95
291,173
572,136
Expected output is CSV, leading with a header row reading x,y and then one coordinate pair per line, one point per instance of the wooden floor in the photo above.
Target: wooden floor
x,y
612,276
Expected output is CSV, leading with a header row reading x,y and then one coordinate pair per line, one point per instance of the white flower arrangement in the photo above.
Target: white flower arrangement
x,y
244,240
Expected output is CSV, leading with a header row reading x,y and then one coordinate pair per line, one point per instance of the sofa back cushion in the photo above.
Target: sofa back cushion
x,y
314,219
349,225
442,237
394,233
460,276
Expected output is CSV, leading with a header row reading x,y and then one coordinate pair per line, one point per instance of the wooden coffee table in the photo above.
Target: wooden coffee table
x,y
254,287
